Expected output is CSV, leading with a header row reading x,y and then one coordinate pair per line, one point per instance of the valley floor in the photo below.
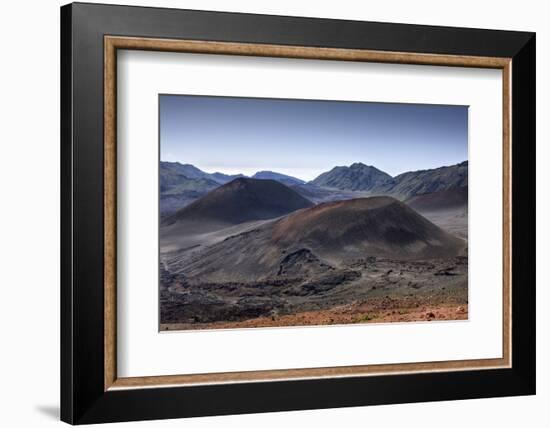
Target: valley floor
x,y
310,267
398,310
379,291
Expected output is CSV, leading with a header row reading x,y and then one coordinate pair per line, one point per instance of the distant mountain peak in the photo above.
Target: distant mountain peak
x,y
277,176
357,176
368,178
191,171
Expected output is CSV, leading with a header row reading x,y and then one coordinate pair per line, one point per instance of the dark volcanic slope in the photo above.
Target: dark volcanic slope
x,y
378,226
355,177
322,237
241,200
439,201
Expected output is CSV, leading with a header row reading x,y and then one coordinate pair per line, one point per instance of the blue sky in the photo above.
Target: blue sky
x,y
304,138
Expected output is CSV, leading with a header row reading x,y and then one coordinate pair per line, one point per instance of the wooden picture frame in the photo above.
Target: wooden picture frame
x,y
91,390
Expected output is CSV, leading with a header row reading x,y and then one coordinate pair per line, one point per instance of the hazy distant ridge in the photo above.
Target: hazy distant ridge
x,y
182,184
282,178
430,180
360,177
192,172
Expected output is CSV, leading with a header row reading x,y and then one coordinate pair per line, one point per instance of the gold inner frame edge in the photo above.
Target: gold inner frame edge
x,y
113,43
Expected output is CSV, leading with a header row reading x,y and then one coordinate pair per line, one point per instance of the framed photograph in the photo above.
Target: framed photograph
x,y
266,213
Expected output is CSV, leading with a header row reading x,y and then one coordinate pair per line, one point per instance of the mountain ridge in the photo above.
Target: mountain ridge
x,y
361,177
192,172
357,176
419,182
182,184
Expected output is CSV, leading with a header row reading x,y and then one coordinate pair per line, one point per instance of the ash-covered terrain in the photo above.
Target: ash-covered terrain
x,y
273,250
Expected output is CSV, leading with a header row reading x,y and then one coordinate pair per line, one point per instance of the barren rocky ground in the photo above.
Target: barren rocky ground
x,y
241,257
366,290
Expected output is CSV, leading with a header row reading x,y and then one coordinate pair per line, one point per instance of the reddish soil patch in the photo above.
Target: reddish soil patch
x,y
382,310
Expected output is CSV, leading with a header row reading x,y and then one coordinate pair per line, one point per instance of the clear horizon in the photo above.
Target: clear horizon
x,y
304,138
